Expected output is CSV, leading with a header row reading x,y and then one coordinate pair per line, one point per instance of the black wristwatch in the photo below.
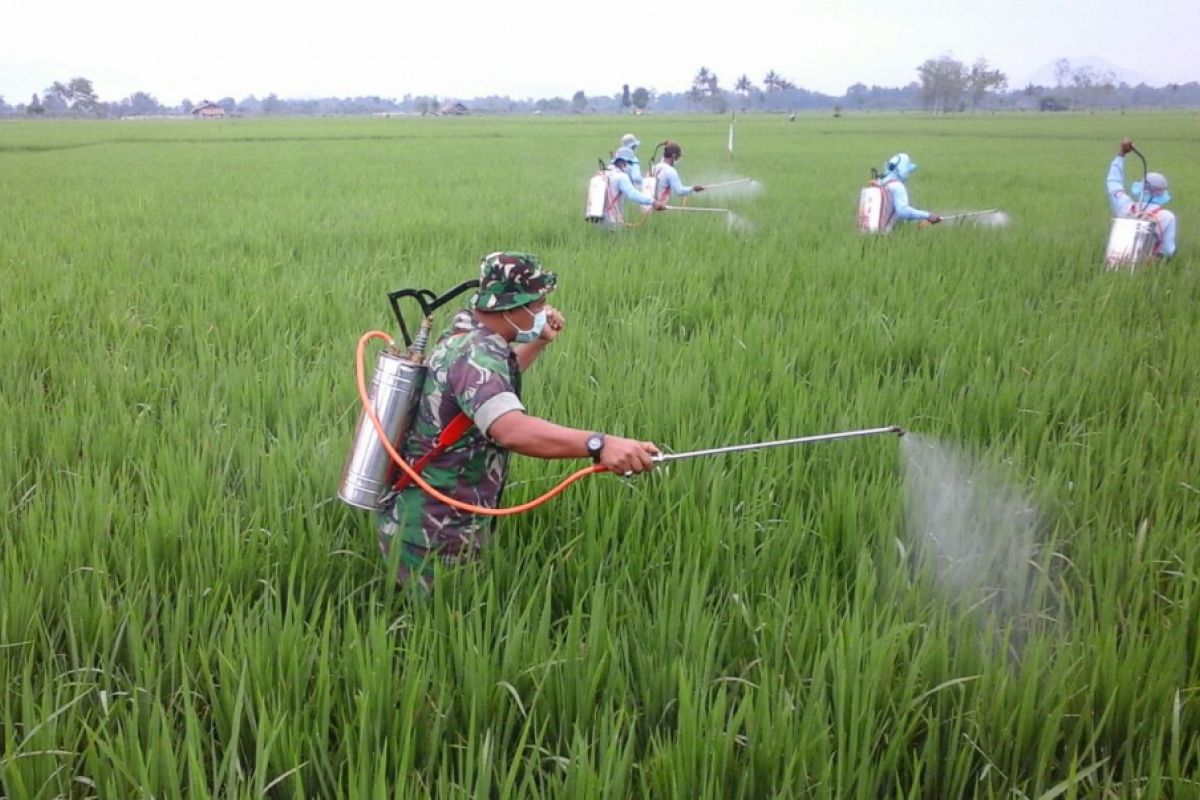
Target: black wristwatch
x,y
595,444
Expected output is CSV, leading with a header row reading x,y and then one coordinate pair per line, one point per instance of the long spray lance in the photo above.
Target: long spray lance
x,y
701,209
968,214
743,448
710,186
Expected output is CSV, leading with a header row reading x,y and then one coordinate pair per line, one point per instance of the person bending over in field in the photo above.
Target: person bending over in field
x,y
666,177
1145,201
895,173
475,368
621,188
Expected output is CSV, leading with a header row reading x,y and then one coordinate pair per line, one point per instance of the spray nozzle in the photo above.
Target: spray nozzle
x,y
416,351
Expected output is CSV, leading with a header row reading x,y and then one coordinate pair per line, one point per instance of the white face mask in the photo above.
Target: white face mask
x,y
531,334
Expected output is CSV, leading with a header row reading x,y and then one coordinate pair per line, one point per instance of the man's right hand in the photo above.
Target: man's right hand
x,y
697,188
934,219
627,456
1125,147
660,206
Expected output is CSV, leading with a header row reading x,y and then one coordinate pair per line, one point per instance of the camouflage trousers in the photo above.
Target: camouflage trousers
x,y
420,560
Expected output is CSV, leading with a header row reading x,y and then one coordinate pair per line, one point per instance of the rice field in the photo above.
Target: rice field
x,y
187,611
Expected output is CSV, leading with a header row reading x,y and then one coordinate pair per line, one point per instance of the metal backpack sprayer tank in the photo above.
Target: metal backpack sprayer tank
x,y
394,391
1132,241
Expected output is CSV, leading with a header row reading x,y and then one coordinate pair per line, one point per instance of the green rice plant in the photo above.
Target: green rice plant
x,y
189,612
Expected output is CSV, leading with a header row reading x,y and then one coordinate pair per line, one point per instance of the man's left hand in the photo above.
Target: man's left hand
x,y
554,323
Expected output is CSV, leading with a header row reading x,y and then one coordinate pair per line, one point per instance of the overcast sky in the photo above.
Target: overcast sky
x,y
540,48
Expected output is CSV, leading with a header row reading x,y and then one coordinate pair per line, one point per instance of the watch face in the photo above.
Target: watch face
x,y
595,444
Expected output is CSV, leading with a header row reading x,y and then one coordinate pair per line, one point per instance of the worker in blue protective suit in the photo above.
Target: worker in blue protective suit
x,y
621,188
635,168
895,172
1145,201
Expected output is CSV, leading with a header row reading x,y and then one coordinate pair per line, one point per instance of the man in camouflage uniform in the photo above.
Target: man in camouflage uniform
x,y
474,368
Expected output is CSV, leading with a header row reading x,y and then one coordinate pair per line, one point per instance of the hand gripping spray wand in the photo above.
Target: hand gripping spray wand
x,y
390,405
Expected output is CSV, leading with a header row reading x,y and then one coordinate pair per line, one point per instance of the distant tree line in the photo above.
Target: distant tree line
x,y
947,84
943,85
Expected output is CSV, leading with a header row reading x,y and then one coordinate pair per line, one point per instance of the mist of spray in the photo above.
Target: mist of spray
x,y
972,531
738,224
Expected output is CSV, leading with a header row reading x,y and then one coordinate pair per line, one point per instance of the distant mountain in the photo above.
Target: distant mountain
x,y
1044,75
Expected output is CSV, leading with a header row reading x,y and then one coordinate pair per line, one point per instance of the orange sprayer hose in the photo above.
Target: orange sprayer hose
x,y
416,477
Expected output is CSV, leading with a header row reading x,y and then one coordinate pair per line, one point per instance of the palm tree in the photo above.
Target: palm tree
x,y
701,84
771,81
744,87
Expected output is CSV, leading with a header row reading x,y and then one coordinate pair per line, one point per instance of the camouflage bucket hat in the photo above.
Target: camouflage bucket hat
x,y
511,280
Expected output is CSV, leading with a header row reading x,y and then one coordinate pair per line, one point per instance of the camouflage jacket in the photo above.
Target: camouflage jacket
x,y
474,371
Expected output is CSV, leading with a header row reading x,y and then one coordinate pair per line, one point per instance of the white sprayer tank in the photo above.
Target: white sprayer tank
x,y
649,187
871,207
597,193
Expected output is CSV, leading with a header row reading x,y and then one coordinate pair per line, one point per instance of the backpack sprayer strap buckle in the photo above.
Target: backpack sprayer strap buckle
x,y
449,436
